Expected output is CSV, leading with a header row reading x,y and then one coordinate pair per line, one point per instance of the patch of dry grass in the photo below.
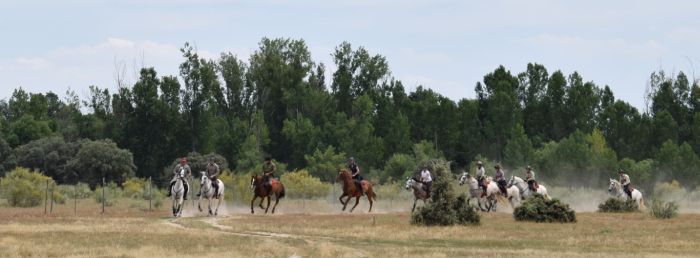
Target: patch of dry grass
x,y
302,229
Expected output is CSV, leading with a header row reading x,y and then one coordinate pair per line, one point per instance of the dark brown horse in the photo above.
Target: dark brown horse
x,y
259,190
349,190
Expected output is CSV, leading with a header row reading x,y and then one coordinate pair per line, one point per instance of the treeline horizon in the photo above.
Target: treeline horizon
x,y
570,130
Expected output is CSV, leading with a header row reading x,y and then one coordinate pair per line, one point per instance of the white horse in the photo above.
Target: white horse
x,y
418,191
525,191
177,192
206,190
493,193
615,189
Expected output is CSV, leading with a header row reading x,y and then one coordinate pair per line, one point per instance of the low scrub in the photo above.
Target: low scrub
x,y
25,188
300,184
617,205
539,209
664,210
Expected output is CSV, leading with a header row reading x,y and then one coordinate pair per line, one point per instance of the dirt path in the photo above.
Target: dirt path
x,y
214,223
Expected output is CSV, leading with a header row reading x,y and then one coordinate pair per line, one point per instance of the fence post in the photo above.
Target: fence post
x,y
51,209
103,196
150,194
303,197
46,198
75,199
233,194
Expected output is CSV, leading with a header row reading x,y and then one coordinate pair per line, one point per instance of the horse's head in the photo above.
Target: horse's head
x,y
464,178
511,182
342,174
409,183
252,181
181,174
614,185
203,178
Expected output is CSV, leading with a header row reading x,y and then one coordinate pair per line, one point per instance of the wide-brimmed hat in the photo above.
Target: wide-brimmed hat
x,y
497,166
528,168
479,162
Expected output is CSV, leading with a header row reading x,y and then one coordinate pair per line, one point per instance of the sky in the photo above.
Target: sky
x,y
447,46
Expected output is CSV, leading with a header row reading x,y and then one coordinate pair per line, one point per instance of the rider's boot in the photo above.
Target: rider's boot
x,y
170,189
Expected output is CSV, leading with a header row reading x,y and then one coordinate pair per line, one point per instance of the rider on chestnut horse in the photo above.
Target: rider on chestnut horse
x,y
355,174
268,172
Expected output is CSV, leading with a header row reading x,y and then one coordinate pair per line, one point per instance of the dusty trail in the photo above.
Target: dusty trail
x,y
214,223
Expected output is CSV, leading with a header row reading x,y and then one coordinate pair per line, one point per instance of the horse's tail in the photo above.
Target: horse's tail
x,y
641,204
374,196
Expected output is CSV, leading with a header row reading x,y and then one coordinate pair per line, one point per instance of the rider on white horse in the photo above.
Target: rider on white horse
x,y
530,178
213,173
182,166
625,182
426,179
480,177
500,178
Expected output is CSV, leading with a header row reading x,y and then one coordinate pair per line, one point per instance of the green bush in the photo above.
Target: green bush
x,y
617,205
444,209
24,188
135,188
538,209
69,191
664,210
300,184
111,193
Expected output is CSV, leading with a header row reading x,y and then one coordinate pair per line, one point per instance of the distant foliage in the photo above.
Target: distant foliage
x,y
664,210
25,188
112,192
617,205
538,209
81,191
444,208
300,184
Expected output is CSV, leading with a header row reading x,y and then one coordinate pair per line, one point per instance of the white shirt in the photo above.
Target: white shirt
x,y
625,179
425,176
480,172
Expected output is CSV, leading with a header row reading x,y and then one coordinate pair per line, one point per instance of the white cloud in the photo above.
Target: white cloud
x,y
586,46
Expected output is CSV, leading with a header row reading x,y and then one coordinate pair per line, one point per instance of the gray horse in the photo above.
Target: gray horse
x,y
418,191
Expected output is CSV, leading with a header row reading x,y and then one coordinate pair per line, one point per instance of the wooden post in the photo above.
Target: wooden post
x,y
51,209
103,196
75,199
46,198
233,195
150,194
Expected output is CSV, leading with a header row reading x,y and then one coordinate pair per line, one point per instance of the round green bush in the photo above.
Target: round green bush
x,y
24,188
617,205
539,209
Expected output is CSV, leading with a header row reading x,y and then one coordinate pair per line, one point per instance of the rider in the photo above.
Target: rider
x,y
530,179
625,182
426,179
355,174
269,168
213,173
481,176
176,172
500,178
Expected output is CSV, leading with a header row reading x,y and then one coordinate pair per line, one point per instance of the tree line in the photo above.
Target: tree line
x,y
277,102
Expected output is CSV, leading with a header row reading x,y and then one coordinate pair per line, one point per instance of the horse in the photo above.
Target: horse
x,y
418,191
493,193
525,191
206,190
259,190
615,189
177,193
350,190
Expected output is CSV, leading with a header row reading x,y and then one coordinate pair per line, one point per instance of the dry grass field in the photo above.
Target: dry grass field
x,y
317,231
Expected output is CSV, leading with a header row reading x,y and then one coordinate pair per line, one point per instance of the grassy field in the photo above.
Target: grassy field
x,y
320,230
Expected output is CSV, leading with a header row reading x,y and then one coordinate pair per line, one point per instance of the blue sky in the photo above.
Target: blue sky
x,y
445,45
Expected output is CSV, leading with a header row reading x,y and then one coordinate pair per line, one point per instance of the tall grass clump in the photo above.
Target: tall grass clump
x,y
664,210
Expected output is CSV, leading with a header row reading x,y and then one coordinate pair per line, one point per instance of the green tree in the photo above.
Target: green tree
x,y
102,159
519,150
324,164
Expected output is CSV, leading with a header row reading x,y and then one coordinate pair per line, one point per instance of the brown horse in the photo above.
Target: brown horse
x,y
259,190
350,190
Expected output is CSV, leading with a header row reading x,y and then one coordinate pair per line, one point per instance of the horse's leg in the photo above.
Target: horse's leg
x,y
199,202
277,200
210,213
341,199
345,204
357,201
369,197
415,199
252,202
261,201
268,204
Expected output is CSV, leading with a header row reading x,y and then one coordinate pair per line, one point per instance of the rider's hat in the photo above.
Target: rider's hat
x,y
497,166
620,171
479,162
268,157
351,159
528,168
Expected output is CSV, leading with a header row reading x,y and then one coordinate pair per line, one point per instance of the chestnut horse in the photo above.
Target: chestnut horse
x,y
259,190
350,190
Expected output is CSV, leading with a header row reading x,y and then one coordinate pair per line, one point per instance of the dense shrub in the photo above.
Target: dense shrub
x,y
444,209
300,184
79,191
539,209
24,188
111,193
664,210
617,205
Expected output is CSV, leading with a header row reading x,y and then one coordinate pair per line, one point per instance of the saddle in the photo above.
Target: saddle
x,y
535,186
